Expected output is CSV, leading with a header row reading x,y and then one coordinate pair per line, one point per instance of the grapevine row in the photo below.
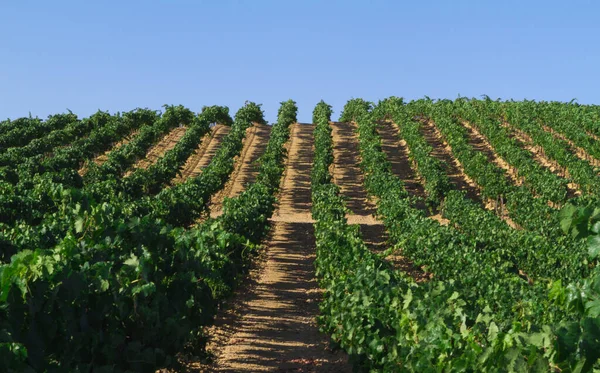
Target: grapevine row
x,y
521,116
561,257
149,287
401,317
20,132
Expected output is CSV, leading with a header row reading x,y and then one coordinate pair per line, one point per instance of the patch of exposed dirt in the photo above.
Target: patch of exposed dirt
x,y
347,173
579,152
271,326
204,153
278,331
593,136
540,156
349,177
99,160
487,148
296,204
454,169
167,143
440,219
246,167
398,154
479,143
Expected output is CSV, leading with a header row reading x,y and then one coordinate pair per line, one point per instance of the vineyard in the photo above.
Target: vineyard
x,y
423,236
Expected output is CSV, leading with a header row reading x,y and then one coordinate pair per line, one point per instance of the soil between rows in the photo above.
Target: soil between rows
x,y
100,159
246,167
167,143
271,326
204,153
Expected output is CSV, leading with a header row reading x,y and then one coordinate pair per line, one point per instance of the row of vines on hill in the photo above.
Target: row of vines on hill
x,y
144,278
111,273
478,312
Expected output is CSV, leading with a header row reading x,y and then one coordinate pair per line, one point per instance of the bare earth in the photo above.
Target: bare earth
x,y
99,160
579,152
164,145
540,156
398,154
454,169
595,137
204,153
483,142
481,145
349,177
272,327
246,167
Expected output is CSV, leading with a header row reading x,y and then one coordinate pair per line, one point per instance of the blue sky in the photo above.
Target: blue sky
x,y
119,55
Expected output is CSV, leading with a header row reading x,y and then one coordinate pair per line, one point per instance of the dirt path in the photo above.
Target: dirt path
x,y
579,152
164,145
349,177
486,147
457,174
99,160
204,153
211,148
295,195
398,154
539,155
246,168
272,326
480,144
593,136
454,170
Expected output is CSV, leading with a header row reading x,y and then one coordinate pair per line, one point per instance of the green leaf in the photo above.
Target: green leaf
x,y
453,296
579,367
566,217
594,246
223,240
145,289
595,216
557,291
133,261
592,308
492,331
407,299
190,302
79,225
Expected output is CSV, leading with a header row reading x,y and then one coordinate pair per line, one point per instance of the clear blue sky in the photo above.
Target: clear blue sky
x,y
119,55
